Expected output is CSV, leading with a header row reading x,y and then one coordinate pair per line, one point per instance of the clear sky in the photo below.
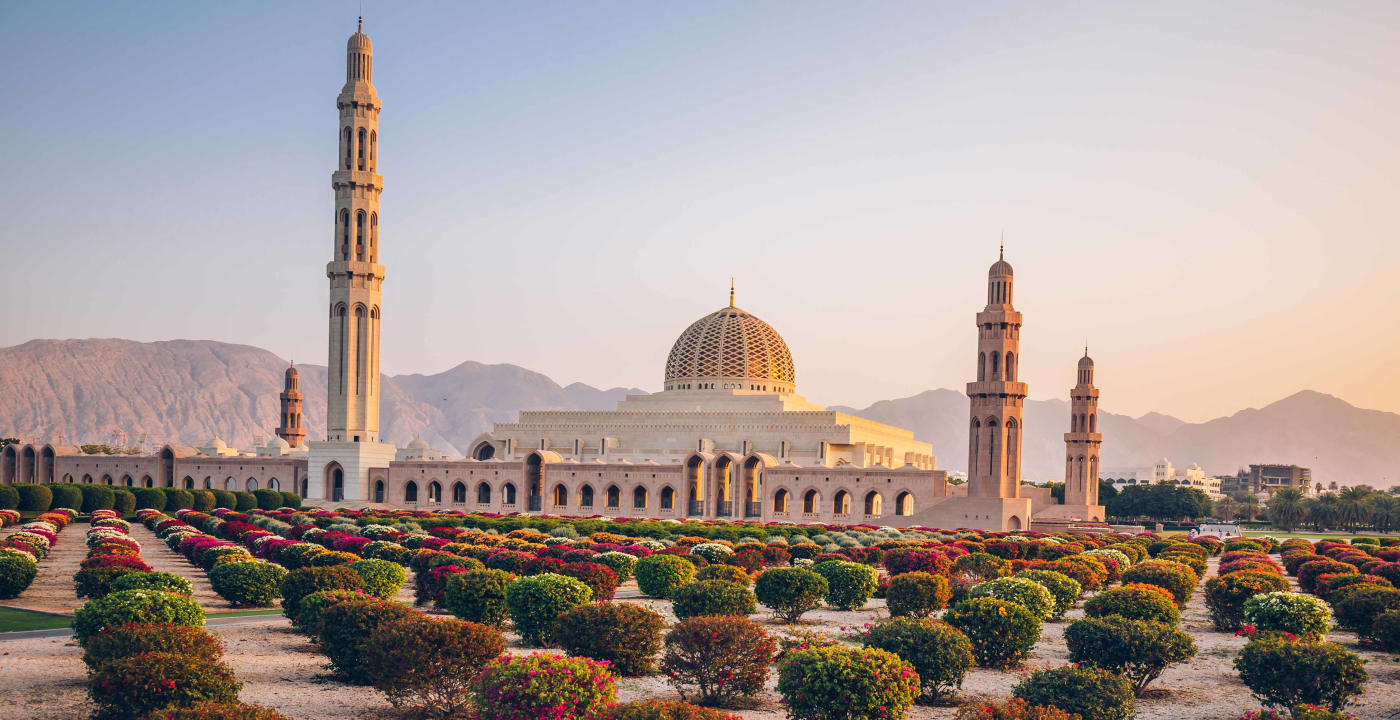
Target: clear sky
x,y
1207,192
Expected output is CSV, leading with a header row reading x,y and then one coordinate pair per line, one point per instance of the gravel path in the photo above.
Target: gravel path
x,y
52,590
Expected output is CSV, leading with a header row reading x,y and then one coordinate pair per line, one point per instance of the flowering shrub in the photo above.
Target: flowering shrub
x,y
214,710
1136,602
535,604
347,629
665,710
1024,592
1013,709
426,665
1286,673
163,581
849,585
314,606
1002,633
1289,612
1359,607
1090,693
541,685
790,592
917,594
939,654
478,596
841,683
983,565
1178,579
131,639
599,578
1136,649
1064,589
1329,586
303,581
135,606
17,571
1385,631
712,597
727,573
713,552
383,578
662,574
1309,572
717,659
626,635
248,584
1226,595
622,564
905,560
133,686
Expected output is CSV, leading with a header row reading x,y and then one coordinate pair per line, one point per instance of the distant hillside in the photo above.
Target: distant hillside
x,y
189,390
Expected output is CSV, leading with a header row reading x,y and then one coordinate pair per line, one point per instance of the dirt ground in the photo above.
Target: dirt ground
x,y
44,678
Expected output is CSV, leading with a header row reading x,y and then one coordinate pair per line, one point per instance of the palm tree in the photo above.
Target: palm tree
x,y
1318,511
1384,511
1249,502
1286,508
1351,505
1225,509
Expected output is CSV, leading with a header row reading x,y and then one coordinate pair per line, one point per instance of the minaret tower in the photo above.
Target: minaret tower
x,y
1082,446
354,271
997,399
290,429
340,466
994,452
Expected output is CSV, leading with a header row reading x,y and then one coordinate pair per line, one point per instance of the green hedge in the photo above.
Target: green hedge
x,y
98,497
34,498
149,498
66,496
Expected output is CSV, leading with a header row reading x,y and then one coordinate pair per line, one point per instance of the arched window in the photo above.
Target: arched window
x,y
434,492
349,147
485,451
809,501
904,504
188,482
337,484
992,459
251,485
508,494
483,494
614,496
780,501
361,145
272,484
841,502
996,365
981,366
874,504
1013,449
668,498
344,234
976,435
373,148
360,235
585,496
208,483
639,498
379,491
230,483
410,492
1010,366
67,478
560,496
1093,424
373,236
148,481
459,493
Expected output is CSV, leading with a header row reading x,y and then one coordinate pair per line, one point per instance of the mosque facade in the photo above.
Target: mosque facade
x,y
727,437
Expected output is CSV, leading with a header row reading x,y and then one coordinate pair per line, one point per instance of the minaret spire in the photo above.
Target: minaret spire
x,y
731,291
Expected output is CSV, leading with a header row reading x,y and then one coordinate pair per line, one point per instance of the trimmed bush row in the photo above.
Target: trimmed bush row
x,y
22,550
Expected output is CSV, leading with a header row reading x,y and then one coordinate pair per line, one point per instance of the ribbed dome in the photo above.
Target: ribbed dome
x,y
729,343
1000,268
359,42
1086,361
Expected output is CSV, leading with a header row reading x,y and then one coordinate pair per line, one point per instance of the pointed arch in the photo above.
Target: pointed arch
x,y
508,494
435,492
379,491
904,503
780,500
874,504
613,497
668,498
639,498
585,496
841,503
561,496
332,481
811,501
410,492
459,493
483,493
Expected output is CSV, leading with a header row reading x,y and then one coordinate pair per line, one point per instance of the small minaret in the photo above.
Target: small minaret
x,y
994,438
291,429
1083,440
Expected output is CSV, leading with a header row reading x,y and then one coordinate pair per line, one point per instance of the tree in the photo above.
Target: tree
x,y
1384,511
1225,509
8,441
1107,491
1249,505
1351,505
1164,501
1287,509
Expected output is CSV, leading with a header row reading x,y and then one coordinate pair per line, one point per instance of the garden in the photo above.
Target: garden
x,y
421,614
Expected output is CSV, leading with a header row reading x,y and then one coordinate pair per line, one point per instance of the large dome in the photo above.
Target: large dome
x,y
730,349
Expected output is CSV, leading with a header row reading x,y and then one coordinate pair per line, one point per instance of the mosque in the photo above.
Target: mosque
x,y
727,437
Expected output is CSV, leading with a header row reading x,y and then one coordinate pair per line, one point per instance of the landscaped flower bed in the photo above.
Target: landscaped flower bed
x,y
22,550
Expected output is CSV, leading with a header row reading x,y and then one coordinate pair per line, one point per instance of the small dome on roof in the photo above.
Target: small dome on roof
x,y
1086,361
277,441
418,444
216,443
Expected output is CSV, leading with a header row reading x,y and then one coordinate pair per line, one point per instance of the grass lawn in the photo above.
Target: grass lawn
x,y
12,620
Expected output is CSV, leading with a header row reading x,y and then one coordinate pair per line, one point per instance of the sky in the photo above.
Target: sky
x,y
1204,192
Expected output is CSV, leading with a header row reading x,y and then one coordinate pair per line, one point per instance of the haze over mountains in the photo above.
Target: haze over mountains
x,y
189,390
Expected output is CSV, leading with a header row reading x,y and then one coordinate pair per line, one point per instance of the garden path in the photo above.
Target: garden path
x,y
162,559
52,589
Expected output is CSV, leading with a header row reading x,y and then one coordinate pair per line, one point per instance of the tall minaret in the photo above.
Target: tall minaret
x,y
339,468
1083,439
994,439
290,428
352,379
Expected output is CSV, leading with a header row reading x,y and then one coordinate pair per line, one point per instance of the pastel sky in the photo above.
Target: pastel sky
x,y
1207,192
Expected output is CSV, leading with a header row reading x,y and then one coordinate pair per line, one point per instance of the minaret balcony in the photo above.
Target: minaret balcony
x,y
997,388
1083,437
357,178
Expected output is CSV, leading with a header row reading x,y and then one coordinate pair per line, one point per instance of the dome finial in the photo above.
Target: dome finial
x,y
731,291
1001,253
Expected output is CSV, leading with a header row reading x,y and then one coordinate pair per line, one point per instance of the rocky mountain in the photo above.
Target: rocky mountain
x,y
189,390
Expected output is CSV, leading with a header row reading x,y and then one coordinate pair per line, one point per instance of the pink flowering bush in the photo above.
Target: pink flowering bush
x,y
542,686
841,683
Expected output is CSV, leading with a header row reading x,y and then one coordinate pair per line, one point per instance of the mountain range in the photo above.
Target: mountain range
x,y
187,391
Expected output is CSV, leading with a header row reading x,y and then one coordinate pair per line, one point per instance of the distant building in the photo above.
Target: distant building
x,y
1164,472
1268,479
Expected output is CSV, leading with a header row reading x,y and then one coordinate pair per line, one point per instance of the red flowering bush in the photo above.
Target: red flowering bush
x,y
599,578
314,606
626,635
1358,608
1136,602
1226,595
938,653
1385,631
1090,577
304,581
542,685
131,639
904,560
1309,572
512,561
841,683
346,632
1013,709
715,660
1180,580
727,573
130,687
427,665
